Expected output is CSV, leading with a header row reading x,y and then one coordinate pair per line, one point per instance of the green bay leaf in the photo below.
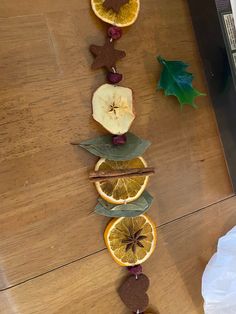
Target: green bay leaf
x,y
102,147
133,209
176,81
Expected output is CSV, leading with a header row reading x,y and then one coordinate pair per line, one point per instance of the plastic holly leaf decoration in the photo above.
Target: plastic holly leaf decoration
x,y
176,81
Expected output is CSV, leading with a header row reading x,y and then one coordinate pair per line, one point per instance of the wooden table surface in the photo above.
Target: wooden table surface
x,y
52,254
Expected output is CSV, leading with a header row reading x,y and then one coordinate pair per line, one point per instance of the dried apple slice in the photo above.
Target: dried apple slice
x,y
113,108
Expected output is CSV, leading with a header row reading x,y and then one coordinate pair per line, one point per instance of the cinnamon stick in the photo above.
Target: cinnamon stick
x,y
103,175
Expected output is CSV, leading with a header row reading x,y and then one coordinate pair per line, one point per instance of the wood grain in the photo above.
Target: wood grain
x,y
9,8
47,202
175,269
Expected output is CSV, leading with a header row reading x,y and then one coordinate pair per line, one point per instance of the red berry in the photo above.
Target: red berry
x,y
114,78
135,270
119,139
114,32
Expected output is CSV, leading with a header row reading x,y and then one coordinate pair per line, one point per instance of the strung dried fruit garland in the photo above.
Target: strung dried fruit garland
x,y
121,175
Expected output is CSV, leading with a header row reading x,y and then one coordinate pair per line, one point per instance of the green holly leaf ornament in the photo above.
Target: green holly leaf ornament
x,y
176,81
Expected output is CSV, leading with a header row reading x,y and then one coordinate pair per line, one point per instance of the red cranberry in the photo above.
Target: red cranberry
x,y
114,78
114,32
119,139
135,270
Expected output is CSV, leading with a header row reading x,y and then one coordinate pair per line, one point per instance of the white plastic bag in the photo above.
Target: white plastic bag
x,y
219,278
233,4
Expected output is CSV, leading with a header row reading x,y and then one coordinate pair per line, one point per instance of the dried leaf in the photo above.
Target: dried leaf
x,y
133,209
102,147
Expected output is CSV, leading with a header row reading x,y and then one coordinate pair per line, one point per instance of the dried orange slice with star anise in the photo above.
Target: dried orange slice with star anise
x,y
131,241
126,15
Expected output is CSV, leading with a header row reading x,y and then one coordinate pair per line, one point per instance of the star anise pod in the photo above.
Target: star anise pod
x,y
134,240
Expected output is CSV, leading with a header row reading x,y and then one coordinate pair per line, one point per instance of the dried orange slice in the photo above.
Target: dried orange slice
x,y
131,241
127,15
121,190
